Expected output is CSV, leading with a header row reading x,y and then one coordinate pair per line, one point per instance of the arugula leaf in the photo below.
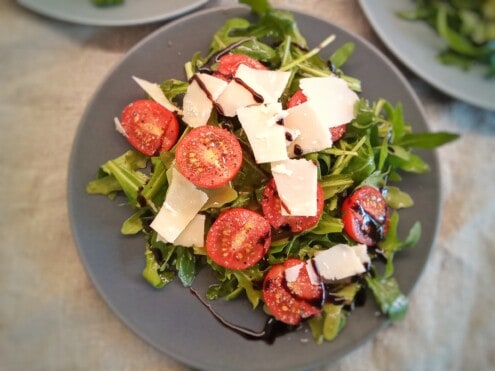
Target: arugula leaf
x,y
387,294
342,54
426,140
134,223
103,3
125,171
152,271
186,265
260,7
391,245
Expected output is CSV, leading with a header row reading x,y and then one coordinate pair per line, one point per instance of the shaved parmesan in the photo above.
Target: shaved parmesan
x,y
234,96
119,127
296,182
332,99
338,262
198,101
182,203
292,273
193,234
362,253
156,93
269,84
250,87
312,133
267,139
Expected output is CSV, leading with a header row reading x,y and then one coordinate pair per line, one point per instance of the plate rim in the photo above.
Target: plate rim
x,y
70,191
37,7
442,85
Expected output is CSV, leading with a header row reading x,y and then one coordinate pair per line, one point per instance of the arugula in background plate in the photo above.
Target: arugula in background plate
x,y
466,26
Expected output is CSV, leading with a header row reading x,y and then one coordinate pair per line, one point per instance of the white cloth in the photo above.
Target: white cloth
x,y
51,317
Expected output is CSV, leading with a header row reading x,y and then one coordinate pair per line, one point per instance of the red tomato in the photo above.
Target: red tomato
x,y
272,210
229,63
283,305
150,127
302,287
238,239
366,215
336,132
209,156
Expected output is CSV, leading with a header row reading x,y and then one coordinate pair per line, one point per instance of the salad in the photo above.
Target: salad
x,y
467,28
263,165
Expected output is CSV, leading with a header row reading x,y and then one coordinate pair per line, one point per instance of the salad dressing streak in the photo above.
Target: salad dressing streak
x,y
271,330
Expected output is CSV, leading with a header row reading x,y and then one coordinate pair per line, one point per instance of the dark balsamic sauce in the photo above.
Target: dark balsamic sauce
x,y
272,329
203,87
206,68
298,150
258,98
372,227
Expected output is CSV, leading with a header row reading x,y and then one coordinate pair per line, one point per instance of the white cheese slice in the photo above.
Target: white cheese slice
x,y
266,137
182,202
270,84
193,234
313,275
331,97
119,127
264,84
156,93
199,98
297,183
313,134
292,273
233,97
362,253
338,262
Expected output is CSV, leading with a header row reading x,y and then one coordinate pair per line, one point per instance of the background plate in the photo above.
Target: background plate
x,y
417,46
172,319
132,12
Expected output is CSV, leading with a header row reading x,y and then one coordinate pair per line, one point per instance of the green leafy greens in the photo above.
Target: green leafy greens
x,y
376,148
466,26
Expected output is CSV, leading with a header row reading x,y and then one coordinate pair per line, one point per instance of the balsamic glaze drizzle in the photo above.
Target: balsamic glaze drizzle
x,y
272,329
206,68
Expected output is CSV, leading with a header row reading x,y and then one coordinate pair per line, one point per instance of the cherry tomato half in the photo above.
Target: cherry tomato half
x,y
298,97
302,287
366,215
281,302
150,127
238,239
272,210
229,63
209,156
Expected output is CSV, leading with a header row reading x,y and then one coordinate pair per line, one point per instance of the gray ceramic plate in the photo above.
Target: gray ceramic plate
x,y
172,319
417,46
132,12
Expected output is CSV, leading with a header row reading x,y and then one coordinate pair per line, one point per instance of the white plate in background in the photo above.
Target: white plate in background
x,y
131,12
417,45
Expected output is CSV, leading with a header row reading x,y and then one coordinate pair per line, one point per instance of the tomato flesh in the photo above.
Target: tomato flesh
x,y
366,215
149,127
282,303
272,210
209,156
238,239
298,97
229,63
302,287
